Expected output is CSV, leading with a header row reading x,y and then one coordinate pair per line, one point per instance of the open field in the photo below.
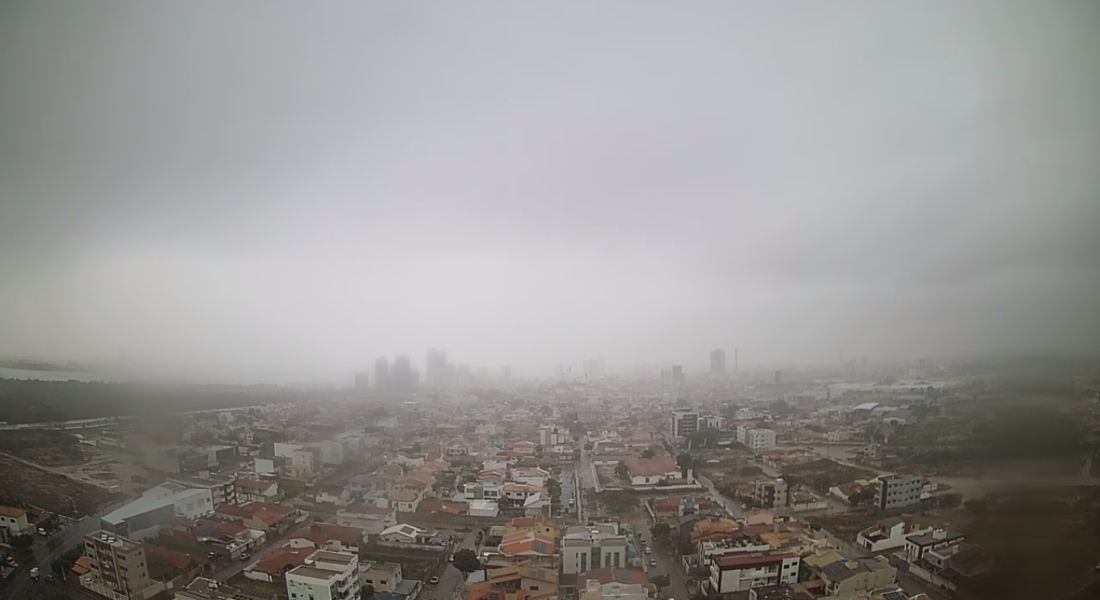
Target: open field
x,y
51,491
49,448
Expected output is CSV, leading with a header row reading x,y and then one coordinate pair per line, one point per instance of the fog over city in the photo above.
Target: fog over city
x,y
254,187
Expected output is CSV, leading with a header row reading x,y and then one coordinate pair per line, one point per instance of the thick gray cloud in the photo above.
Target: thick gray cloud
x,y
259,185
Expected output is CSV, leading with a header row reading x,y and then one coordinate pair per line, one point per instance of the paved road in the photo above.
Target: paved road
x,y
667,562
450,578
21,585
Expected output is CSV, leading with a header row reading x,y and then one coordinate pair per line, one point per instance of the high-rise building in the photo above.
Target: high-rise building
x,y
684,423
402,374
506,375
435,369
718,362
593,368
383,384
362,382
119,566
327,575
898,491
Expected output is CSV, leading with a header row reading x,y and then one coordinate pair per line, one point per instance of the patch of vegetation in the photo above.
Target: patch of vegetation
x,y
618,502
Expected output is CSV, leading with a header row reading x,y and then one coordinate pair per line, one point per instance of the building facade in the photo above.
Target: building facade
x,y
898,491
325,576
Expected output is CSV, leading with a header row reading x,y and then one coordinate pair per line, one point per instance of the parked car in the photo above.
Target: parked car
x,y
648,550
212,555
34,573
42,532
245,556
653,562
433,580
49,578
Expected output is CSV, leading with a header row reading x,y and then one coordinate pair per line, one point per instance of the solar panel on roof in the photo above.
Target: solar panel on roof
x,y
893,596
833,569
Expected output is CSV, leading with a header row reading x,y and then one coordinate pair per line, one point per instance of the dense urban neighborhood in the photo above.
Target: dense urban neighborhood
x,y
871,483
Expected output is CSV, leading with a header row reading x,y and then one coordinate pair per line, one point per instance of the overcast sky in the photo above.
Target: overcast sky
x,y
263,187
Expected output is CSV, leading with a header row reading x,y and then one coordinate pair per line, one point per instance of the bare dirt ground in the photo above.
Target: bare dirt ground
x,y
23,483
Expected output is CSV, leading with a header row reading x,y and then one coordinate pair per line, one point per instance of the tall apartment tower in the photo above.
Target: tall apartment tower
x,y
435,369
402,374
718,362
383,384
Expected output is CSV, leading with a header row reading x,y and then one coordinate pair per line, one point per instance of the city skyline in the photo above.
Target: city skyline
x,y
394,181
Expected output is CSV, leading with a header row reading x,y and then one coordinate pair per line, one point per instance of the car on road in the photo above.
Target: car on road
x,y
653,562
648,550
433,580
49,578
34,573
245,556
42,532
212,555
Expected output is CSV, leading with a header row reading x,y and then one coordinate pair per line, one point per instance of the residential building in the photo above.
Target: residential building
x,y
332,452
252,490
274,567
118,567
710,422
651,471
539,583
13,522
733,573
384,577
550,436
587,548
222,489
917,546
739,572
325,576
718,362
383,382
685,422
771,493
848,577
614,584
326,536
898,491
371,519
890,533
404,500
757,440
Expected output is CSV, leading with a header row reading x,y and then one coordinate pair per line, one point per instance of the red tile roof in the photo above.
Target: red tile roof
x,y
611,574
281,560
743,561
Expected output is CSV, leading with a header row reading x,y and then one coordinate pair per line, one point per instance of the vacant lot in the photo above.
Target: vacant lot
x,y
49,448
23,483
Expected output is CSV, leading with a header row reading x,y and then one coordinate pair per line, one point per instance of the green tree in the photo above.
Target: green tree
x,y
648,453
685,461
618,502
466,562
21,542
660,582
621,471
660,531
684,545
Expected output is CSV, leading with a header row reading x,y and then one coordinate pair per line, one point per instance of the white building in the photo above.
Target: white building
x,y
332,452
898,491
739,572
757,440
143,518
684,423
325,576
550,436
584,548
